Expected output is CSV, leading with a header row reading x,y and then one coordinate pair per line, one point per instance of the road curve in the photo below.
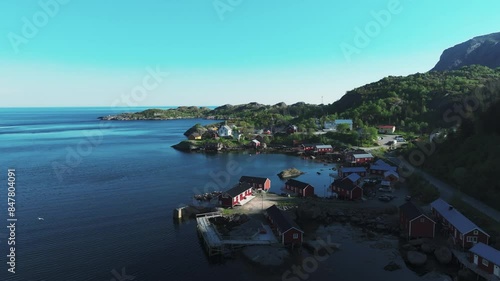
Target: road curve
x,y
447,191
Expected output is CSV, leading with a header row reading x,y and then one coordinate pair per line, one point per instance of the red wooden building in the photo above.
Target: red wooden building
x,y
381,169
347,189
302,189
257,183
287,230
386,129
345,171
359,158
237,195
414,223
391,176
323,148
308,146
486,258
463,232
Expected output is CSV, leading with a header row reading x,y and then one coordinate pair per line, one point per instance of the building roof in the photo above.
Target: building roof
x,y
225,127
255,141
323,146
487,252
353,169
382,168
362,155
344,184
282,221
381,162
297,183
353,177
343,121
195,134
249,179
238,189
386,126
311,144
410,210
459,221
391,173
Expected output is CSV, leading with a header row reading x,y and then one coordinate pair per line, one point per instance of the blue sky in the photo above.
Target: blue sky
x,y
103,53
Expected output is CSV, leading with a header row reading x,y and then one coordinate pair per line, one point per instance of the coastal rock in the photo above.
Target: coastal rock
x,y
290,173
266,255
408,247
443,255
417,242
416,258
436,276
392,266
355,220
428,248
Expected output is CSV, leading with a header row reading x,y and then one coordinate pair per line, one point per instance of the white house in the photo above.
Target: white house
x,y
225,131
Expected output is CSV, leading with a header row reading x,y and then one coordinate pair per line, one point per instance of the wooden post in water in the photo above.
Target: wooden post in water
x,y
178,213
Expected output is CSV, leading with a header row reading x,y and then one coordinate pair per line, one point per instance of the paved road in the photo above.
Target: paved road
x,y
448,191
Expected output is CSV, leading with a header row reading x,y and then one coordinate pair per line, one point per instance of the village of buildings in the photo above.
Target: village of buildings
x,y
357,178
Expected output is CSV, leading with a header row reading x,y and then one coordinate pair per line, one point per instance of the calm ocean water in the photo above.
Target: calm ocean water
x,y
106,191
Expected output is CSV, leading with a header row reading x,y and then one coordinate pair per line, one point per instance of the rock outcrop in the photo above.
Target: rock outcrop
x,y
416,258
483,50
290,173
443,255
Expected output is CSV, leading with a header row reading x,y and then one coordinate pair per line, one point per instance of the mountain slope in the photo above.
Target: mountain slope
x,y
416,102
483,50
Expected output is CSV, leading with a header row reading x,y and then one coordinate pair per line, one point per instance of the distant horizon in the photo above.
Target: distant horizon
x,y
73,53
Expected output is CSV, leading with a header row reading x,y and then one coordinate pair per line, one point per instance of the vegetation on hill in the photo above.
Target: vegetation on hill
x,y
468,158
413,103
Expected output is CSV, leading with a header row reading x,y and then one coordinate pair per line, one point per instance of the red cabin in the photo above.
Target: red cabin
x,y
414,223
463,232
302,189
345,171
257,183
486,258
347,189
287,230
240,194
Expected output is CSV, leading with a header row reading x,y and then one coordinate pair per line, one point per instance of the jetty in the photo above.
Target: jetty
x,y
463,260
216,244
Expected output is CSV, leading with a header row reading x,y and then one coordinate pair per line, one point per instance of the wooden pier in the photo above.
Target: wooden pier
x,y
217,245
462,258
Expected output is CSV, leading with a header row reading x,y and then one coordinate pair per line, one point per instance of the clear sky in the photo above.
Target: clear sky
x,y
118,53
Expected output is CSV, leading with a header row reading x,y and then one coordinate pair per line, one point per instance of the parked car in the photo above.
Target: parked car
x,y
408,198
384,198
385,189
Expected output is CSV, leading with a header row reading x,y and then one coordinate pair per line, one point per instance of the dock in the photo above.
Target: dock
x,y
215,244
464,261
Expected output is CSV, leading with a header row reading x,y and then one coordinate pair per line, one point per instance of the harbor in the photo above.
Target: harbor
x,y
216,244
